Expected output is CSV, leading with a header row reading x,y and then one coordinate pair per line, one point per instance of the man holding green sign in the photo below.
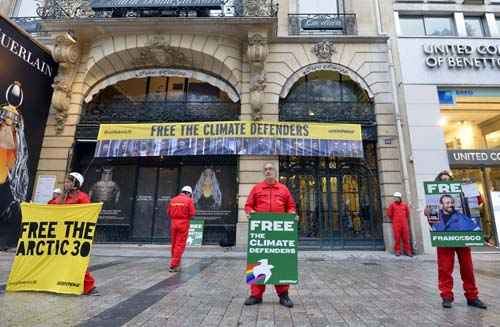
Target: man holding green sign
x,y
454,221
272,241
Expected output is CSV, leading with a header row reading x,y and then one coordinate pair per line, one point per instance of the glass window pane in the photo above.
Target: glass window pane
x,y
202,92
132,89
439,26
474,26
324,86
411,25
157,89
317,6
26,8
175,90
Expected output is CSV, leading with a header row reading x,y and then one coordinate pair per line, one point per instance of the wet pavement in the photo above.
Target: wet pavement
x,y
335,289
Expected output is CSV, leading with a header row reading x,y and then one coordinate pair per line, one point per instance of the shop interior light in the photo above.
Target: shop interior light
x,y
443,121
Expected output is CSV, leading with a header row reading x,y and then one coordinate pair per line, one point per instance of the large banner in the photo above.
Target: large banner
x,y
229,138
272,249
452,210
54,249
27,73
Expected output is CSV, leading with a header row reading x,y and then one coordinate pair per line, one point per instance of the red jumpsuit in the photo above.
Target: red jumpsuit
x,y
399,213
78,198
446,261
181,210
265,197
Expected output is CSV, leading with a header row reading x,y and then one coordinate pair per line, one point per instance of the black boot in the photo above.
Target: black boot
x,y
447,303
285,300
252,300
477,303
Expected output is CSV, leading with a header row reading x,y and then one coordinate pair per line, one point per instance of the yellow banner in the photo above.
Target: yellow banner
x,y
230,129
54,249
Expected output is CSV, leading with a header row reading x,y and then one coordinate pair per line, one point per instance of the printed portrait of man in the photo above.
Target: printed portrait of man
x,y
287,147
452,220
104,149
122,150
183,148
106,190
207,193
261,146
165,146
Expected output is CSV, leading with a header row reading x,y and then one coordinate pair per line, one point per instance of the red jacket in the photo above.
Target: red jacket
x,y
398,212
266,197
78,198
181,207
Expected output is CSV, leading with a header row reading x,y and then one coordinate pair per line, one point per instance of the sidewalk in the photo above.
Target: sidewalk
x,y
335,289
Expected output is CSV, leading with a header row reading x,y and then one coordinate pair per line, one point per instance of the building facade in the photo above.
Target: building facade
x,y
449,84
296,60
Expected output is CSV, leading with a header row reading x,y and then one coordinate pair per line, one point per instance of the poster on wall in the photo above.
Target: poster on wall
x,y
27,73
452,211
214,192
265,138
495,201
114,187
44,190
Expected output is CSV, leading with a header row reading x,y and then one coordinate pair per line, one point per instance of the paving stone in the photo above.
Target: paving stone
x,y
334,290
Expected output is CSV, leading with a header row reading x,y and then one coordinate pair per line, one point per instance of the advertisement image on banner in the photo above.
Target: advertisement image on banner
x,y
229,138
452,210
195,236
27,75
272,249
214,192
114,187
54,248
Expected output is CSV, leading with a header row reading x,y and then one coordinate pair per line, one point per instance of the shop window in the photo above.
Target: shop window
x,y
430,25
470,118
474,26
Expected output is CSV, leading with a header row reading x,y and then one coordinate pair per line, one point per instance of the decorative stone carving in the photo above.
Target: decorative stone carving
x,y
257,52
67,54
158,52
324,50
260,8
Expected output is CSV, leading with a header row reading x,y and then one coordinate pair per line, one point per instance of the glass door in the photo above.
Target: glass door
x,y
167,189
144,209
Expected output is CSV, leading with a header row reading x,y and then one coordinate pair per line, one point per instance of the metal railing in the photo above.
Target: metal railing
x,y
322,23
64,9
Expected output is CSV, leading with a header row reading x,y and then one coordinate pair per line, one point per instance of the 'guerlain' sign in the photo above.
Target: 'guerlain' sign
x,y
462,56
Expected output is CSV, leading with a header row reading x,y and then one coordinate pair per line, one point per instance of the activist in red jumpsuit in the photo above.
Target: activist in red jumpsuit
x,y
73,195
446,262
269,196
180,210
399,213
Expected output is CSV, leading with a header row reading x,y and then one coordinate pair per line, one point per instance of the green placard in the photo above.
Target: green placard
x,y
463,226
272,249
457,239
195,236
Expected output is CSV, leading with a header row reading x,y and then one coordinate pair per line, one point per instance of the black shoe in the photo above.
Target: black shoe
x,y
409,255
252,300
477,303
93,292
174,269
285,301
447,303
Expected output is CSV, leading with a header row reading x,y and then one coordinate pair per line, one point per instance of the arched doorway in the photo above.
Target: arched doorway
x,y
338,199
135,189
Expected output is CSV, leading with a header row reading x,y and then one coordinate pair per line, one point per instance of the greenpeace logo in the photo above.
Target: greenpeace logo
x,y
68,284
23,282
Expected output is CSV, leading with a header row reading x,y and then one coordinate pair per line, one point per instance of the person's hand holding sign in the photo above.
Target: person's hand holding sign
x,y
432,217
